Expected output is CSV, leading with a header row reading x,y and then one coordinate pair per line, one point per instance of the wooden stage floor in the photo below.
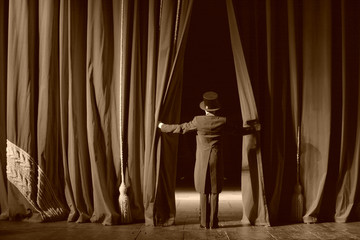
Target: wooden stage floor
x,y
186,227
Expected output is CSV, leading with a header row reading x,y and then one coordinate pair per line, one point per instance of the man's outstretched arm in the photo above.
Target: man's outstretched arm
x,y
234,128
178,128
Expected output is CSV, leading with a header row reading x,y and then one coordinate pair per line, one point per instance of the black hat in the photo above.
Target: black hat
x,y
210,102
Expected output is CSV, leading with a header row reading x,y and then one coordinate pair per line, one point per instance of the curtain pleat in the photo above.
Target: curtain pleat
x,y
294,26
100,65
74,78
136,106
170,112
4,208
316,110
164,192
278,93
347,200
50,176
21,107
64,104
149,184
255,209
160,156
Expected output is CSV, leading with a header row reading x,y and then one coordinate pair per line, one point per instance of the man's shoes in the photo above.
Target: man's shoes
x,y
201,226
215,226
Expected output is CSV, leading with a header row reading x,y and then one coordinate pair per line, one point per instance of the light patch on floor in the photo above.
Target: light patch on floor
x,y
226,195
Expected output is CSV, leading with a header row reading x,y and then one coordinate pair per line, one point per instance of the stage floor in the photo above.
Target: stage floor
x,y
186,226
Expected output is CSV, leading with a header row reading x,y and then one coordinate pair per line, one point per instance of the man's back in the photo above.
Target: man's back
x,y
209,125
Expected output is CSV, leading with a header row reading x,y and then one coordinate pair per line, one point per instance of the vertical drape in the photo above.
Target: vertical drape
x,y
153,65
32,181
4,209
163,102
316,111
89,100
73,100
281,103
276,56
347,196
46,93
302,58
295,77
255,210
99,76
134,119
150,165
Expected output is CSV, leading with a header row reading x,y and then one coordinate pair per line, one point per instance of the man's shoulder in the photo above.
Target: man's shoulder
x,y
204,118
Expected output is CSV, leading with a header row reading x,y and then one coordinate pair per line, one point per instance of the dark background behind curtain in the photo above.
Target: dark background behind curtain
x,y
209,63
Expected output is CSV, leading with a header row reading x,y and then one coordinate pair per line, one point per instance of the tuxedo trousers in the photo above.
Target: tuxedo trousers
x,y
209,205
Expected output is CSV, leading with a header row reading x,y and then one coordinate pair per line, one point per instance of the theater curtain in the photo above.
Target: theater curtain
x,y
155,95
303,58
255,209
4,208
83,85
60,128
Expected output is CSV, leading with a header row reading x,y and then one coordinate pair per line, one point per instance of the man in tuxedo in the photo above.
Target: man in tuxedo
x,y
209,169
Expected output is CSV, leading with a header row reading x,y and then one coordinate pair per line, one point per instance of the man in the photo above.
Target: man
x,y
209,170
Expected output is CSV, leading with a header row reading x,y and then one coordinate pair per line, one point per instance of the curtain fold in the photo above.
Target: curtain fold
x,y
316,111
347,197
4,209
281,103
135,144
170,112
255,209
74,101
161,153
47,105
99,82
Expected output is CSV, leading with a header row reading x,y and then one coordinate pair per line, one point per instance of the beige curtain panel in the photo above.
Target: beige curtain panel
x,y
84,83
